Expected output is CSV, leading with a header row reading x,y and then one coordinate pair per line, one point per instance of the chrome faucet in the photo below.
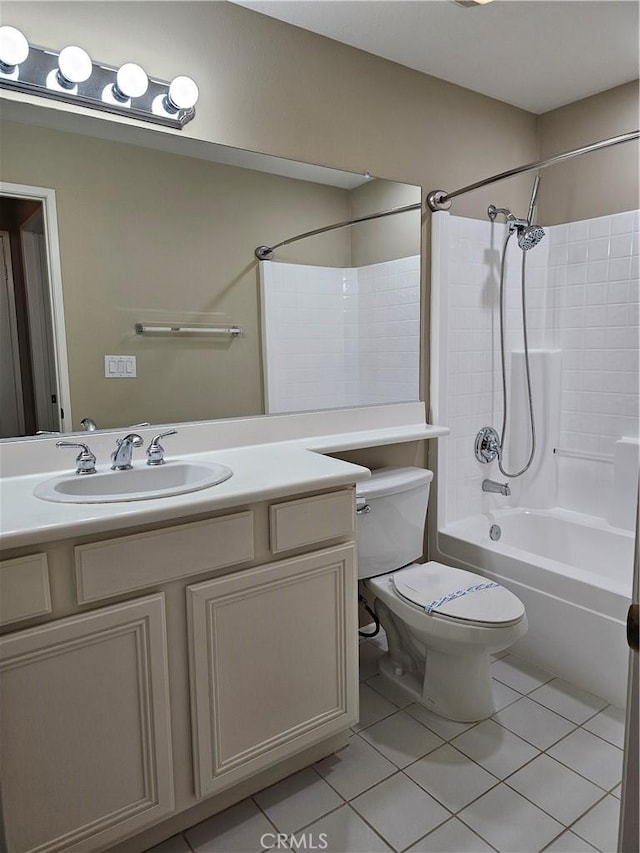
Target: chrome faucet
x,y
496,488
85,460
88,425
121,456
155,451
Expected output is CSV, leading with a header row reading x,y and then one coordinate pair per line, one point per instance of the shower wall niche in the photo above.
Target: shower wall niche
x,y
334,337
582,307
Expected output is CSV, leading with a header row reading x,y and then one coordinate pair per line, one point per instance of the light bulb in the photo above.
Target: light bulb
x,y
183,93
14,48
131,81
75,65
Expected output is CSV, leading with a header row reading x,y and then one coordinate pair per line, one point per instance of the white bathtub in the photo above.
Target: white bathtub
x,y
574,575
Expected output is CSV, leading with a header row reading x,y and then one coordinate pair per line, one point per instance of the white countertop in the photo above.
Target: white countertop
x,y
260,472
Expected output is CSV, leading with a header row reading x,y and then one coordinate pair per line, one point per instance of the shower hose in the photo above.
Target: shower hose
x,y
503,363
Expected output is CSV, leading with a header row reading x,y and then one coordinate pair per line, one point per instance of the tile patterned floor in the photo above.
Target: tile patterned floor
x,y
543,774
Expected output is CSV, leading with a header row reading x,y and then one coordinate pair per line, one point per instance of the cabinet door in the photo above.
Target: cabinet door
x,y
85,729
273,659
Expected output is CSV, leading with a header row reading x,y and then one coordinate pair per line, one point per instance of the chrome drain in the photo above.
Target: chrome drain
x,y
495,532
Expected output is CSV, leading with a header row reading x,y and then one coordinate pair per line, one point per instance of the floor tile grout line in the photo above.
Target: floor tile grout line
x,y
554,711
360,816
311,822
186,840
455,817
400,707
577,772
566,766
427,834
591,808
595,734
385,717
545,751
531,743
304,828
456,813
480,835
565,825
369,787
564,716
386,840
398,771
259,807
428,752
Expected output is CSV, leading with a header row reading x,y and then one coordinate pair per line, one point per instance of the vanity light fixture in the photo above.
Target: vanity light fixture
x,y
74,66
183,94
71,75
469,4
131,82
14,49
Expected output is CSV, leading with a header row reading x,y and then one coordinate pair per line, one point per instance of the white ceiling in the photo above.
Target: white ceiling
x,y
534,54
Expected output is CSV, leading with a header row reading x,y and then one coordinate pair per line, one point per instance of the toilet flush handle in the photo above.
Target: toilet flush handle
x,y
362,507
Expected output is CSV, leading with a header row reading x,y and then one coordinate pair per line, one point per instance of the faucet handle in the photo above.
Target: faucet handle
x,y
155,451
85,460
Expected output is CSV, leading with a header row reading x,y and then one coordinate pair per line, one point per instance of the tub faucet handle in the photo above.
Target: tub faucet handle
x,y
487,445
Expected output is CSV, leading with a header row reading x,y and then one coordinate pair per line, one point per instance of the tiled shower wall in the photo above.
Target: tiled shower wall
x,y
593,297
582,300
337,337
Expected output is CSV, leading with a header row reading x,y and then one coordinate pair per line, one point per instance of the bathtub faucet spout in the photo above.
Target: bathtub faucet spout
x,y
496,488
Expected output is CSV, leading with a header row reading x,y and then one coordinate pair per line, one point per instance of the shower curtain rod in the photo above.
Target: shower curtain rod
x,y
441,200
265,253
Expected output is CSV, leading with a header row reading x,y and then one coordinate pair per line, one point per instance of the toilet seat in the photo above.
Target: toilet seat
x,y
457,594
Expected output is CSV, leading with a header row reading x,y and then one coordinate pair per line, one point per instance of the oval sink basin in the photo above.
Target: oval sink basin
x,y
137,484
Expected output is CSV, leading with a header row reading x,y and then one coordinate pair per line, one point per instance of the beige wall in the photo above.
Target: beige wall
x,y
267,86
148,236
271,87
388,238
596,184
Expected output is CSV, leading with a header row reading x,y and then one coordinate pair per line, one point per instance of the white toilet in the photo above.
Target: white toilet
x,y
441,623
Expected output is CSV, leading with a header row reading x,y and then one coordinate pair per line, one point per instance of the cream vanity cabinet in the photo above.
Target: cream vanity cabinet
x,y
231,646
85,728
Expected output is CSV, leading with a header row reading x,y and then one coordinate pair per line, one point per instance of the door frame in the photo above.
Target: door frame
x,y
47,197
628,828
13,328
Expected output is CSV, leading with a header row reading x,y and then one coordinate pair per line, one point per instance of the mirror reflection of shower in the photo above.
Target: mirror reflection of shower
x,y
489,445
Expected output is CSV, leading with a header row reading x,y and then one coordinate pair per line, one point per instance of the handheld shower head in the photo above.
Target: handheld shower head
x,y
529,237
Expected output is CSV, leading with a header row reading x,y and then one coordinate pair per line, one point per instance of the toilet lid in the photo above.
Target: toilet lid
x,y
458,594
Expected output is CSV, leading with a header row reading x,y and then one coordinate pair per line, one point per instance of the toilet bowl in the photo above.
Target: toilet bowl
x,y
442,623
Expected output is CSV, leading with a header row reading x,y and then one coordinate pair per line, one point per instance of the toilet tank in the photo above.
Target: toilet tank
x,y
391,533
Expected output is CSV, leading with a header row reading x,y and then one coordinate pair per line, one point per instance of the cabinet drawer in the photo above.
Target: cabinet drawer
x,y
24,588
311,520
118,565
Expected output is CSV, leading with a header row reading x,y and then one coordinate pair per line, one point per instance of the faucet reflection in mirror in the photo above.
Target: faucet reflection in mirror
x,y
71,75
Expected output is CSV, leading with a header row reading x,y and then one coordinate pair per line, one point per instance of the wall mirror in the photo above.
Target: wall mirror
x,y
158,230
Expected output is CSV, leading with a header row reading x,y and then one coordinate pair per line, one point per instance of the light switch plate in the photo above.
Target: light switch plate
x,y
120,367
